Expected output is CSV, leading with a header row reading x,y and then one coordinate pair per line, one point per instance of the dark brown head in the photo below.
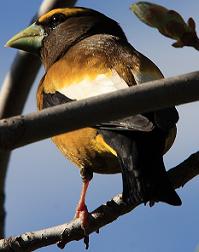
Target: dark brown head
x,y
55,32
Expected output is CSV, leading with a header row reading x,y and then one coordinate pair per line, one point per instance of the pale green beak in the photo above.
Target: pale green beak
x,y
30,39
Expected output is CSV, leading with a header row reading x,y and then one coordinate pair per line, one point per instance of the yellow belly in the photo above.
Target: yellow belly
x,y
86,148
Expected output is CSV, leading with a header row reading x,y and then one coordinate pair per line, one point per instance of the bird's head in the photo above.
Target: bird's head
x,y
56,31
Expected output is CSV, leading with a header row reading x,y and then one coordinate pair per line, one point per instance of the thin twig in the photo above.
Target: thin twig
x,y
22,130
100,217
22,74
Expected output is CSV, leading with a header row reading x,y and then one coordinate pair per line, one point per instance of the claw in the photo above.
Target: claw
x,y
83,214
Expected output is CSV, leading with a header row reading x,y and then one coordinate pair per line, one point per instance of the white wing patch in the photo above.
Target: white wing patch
x,y
141,77
101,85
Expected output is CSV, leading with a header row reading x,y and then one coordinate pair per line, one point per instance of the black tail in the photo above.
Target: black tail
x,y
143,172
144,185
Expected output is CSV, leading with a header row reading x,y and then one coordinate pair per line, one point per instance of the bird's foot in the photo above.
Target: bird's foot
x,y
83,214
81,210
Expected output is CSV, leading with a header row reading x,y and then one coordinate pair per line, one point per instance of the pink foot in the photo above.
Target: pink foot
x,y
81,210
83,214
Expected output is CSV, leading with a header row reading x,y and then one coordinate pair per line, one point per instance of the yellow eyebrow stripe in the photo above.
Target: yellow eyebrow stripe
x,y
65,11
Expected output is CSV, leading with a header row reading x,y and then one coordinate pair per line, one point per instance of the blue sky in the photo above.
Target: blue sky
x,y
43,188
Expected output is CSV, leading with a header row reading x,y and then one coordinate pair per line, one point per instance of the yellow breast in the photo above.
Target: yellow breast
x,y
86,148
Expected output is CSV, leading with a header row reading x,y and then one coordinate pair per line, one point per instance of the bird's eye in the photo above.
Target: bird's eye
x,y
55,20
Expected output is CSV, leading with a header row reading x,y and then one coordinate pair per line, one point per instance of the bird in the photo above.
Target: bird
x,y
85,54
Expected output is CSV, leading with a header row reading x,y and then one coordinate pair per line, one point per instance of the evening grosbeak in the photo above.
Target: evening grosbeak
x,y
86,54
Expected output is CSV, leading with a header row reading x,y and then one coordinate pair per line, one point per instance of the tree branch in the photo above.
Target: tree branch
x,y
22,74
100,217
154,95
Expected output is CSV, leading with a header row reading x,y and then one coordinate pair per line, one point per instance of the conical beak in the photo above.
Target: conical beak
x,y
30,39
